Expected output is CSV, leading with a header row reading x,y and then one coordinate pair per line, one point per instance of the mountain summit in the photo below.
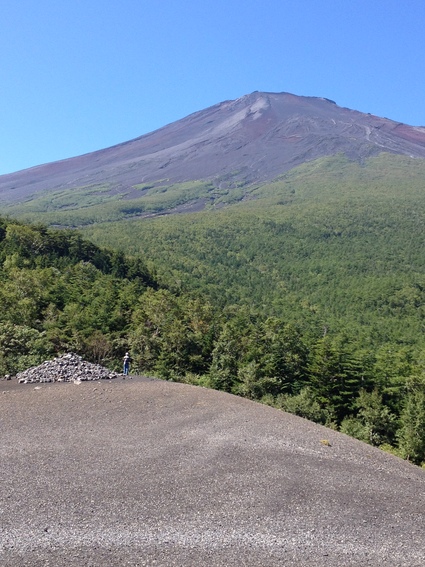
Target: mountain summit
x,y
252,139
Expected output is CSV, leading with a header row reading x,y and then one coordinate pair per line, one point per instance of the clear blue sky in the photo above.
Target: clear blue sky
x,y
81,75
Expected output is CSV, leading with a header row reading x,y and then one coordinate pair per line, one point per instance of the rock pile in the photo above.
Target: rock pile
x,y
67,368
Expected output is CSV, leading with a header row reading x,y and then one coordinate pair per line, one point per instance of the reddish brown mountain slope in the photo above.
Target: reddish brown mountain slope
x,y
251,139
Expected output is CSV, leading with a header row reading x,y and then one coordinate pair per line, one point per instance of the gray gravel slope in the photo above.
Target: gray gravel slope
x,y
154,473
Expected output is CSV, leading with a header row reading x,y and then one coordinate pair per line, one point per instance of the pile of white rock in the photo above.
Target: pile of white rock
x,y
67,368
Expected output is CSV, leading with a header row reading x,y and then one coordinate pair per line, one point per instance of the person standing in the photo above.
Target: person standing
x,y
126,364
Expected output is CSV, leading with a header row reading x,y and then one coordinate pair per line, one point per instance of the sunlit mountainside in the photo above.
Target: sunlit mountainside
x,y
221,152
276,252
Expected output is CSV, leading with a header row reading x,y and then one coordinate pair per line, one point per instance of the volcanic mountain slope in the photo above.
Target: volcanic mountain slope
x,y
156,473
249,140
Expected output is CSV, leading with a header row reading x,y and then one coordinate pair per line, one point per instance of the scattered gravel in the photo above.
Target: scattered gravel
x,y
67,368
142,472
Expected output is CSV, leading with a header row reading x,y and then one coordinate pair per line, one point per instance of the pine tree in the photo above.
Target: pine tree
x,y
411,435
336,377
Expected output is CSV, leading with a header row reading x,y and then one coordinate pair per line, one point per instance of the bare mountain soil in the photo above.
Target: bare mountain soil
x,y
249,140
143,472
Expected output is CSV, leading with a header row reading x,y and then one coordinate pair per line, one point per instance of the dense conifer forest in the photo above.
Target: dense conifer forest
x,y
365,377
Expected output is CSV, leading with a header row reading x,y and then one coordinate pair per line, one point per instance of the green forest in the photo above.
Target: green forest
x,y
306,293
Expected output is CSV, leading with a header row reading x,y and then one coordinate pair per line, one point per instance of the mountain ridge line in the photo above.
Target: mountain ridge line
x,y
252,139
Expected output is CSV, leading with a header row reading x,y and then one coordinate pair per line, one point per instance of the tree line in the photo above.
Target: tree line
x,y
60,292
